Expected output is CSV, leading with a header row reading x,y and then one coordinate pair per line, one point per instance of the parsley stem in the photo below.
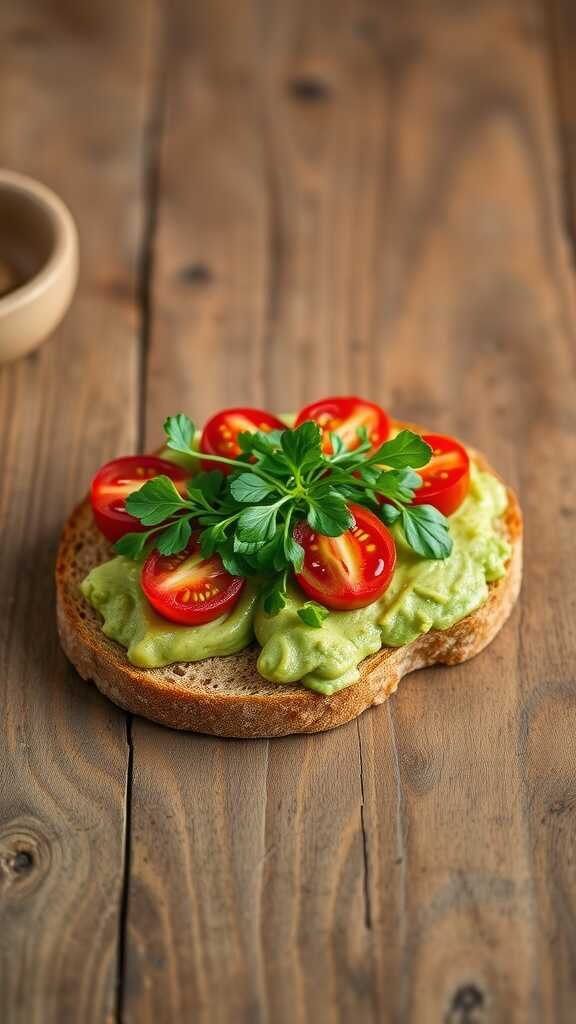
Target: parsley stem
x,y
246,466
282,501
287,522
231,519
206,457
347,453
269,479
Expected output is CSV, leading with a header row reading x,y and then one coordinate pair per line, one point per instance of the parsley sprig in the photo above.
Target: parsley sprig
x,y
283,477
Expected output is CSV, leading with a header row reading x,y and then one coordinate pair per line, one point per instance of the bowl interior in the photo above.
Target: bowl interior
x,y
27,237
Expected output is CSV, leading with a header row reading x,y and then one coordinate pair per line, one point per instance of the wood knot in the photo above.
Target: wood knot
x,y
366,28
466,1006
422,769
119,289
196,274
309,89
24,860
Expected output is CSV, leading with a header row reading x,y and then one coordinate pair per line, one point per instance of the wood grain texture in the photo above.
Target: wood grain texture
x,y
355,197
480,325
562,30
73,84
277,830
344,195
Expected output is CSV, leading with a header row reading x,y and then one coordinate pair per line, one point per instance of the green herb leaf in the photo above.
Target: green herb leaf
x,y
426,531
274,602
210,484
257,523
302,446
233,562
276,466
155,501
133,545
175,537
274,596
389,514
270,556
212,538
337,443
180,431
313,614
398,484
406,449
408,478
328,513
246,547
259,441
247,487
370,474
294,552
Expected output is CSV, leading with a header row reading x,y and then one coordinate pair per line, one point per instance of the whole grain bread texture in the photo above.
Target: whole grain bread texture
x,y
226,696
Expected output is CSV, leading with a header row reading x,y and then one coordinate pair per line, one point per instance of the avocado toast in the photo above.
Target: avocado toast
x,y
228,695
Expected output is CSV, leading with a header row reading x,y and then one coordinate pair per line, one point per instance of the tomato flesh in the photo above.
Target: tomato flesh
x,y
187,588
343,416
349,571
220,435
116,480
446,478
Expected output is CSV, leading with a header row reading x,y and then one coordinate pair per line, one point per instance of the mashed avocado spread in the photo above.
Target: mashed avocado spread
x,y
423,595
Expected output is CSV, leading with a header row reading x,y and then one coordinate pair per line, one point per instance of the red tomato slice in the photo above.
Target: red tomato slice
x,y
446,477
220,434
187,588
343,416
349,571
119,478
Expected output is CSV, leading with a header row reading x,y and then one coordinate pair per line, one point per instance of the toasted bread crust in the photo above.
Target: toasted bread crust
x,y
227,696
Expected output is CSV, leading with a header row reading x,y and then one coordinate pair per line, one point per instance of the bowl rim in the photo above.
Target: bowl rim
x,y
65,244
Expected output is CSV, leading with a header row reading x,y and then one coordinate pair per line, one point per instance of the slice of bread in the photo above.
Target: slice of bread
x,y
226,696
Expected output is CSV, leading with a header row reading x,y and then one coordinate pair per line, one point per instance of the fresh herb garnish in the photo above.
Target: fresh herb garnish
x,y
424,531
313,614
283,477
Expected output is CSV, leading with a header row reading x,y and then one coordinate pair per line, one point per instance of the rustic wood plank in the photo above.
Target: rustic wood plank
x,y
366,195
247,862
196,865
562,27
73,81
479,318
315,932
547,724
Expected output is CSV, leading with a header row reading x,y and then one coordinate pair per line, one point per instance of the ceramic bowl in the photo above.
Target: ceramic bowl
x,y
38,263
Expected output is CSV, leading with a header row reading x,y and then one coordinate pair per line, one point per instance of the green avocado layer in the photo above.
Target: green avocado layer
x,y
423,595
151,641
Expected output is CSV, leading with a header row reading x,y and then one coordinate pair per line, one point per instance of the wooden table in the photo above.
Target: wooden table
x,y
278,200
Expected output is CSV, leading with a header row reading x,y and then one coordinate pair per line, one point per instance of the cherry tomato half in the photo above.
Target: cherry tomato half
x,y
446,477
119,478
220,435
343,416
188,588
349,571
